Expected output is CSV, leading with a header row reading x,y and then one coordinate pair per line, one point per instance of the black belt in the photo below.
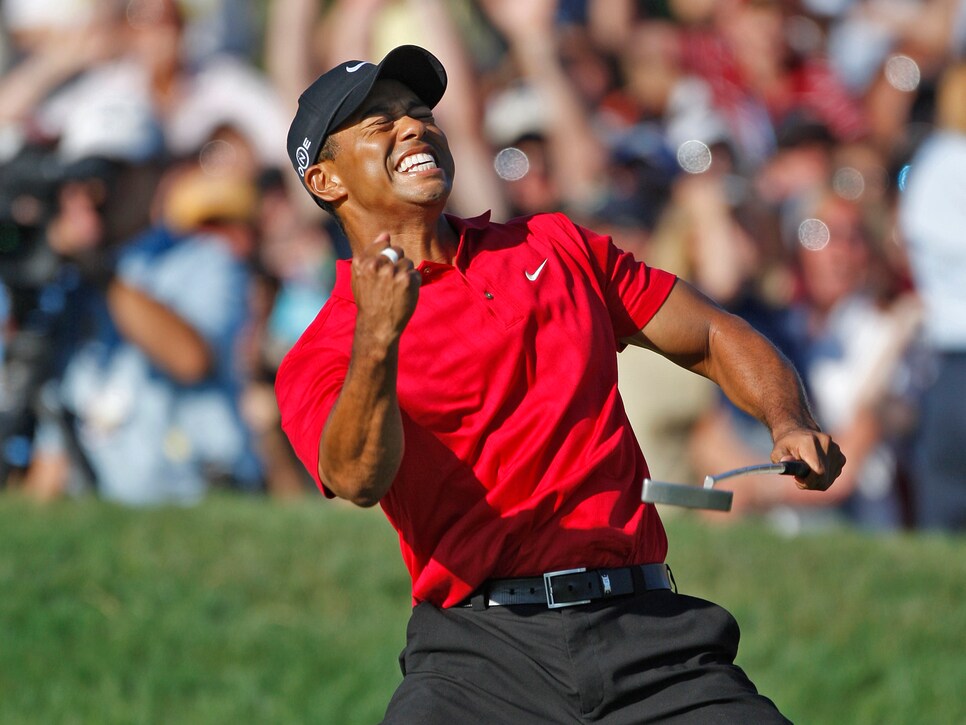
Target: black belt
x,y
571,587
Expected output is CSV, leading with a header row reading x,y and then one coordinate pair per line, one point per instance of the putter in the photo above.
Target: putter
x,y
707,496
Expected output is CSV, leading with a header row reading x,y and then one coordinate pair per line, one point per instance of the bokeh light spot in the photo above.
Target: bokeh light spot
x,y
903,177
902,72
813,234
848,183
511,164
217,157
694,156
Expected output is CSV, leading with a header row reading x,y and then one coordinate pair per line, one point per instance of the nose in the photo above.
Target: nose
x,y
410,128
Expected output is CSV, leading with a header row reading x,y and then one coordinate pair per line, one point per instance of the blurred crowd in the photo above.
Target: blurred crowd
x,y
801,162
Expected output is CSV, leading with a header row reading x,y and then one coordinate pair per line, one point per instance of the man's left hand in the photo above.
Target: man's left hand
x,y
815,448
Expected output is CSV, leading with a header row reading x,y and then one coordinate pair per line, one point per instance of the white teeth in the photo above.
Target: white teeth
x,y
416,162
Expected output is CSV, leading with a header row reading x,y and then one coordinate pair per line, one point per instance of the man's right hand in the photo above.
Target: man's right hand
x,y
385,291
362,443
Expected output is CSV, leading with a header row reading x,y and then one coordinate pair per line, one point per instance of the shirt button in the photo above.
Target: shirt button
x,y
426,270
488,295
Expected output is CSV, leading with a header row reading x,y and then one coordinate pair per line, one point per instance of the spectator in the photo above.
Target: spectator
x,y
146,410
699,238
296,270
137,52
598,95
758,80
566,158
933,215
849,349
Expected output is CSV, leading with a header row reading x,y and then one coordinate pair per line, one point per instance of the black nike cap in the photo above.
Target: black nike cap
x,y
338,93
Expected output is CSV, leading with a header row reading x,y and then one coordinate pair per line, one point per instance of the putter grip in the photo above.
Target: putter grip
x,y
798,469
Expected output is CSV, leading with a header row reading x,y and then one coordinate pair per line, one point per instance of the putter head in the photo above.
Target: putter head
x,y
679,494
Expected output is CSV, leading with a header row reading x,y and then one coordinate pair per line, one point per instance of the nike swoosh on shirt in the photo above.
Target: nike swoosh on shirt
x,y
532,276
354,68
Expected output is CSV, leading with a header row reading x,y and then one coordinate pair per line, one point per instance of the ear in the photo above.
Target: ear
x,y
324,182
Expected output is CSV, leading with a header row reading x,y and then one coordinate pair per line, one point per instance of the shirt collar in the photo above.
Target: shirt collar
x,y
343,267
461,225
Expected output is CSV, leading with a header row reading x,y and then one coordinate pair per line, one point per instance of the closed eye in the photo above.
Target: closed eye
x,y
382,117
378,120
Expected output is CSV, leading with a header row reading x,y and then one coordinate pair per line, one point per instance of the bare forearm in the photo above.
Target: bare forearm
x,y
288,41
759,379
27,84
477,186
695,333
572,142
168,340
530,30
610,22
60,55
348,30
756,376
362,444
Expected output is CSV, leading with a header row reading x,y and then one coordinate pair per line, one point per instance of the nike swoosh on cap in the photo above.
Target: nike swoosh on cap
x,y
532,276
354,68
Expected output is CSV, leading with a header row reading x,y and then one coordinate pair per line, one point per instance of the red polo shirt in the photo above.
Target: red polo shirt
x,y
519,457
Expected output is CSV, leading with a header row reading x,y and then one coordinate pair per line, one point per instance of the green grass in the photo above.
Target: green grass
x,y
244,610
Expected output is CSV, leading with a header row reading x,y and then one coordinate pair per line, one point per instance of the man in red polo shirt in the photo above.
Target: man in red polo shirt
x,y
463,375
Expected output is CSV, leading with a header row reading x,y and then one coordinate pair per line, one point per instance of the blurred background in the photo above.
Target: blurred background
x,y
801,162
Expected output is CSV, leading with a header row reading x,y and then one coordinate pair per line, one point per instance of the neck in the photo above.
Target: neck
x,y
423,239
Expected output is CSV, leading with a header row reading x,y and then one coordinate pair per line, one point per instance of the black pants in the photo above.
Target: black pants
x,y
653,657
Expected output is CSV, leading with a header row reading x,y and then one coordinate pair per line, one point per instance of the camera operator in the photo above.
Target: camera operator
x,y
146,410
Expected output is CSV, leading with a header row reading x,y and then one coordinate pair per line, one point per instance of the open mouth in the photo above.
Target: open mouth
x,y
415,163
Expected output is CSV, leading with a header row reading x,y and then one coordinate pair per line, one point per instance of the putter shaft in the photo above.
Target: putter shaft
x,y
707,496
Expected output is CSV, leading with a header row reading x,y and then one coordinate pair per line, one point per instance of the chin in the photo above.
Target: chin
x,y
432,196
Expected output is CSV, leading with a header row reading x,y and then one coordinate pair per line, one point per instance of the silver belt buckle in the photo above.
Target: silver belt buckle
x,y
551,604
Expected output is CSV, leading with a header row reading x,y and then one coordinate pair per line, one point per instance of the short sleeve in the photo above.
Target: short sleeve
x,y
632,290
307,386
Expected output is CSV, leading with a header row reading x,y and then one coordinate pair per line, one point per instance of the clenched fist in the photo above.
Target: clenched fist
x,y
385,285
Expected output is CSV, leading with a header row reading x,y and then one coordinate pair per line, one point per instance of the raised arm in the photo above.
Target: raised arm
x,y
347,30
170,341
362,443
578,156
60,56
289,59
697,334
476,187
